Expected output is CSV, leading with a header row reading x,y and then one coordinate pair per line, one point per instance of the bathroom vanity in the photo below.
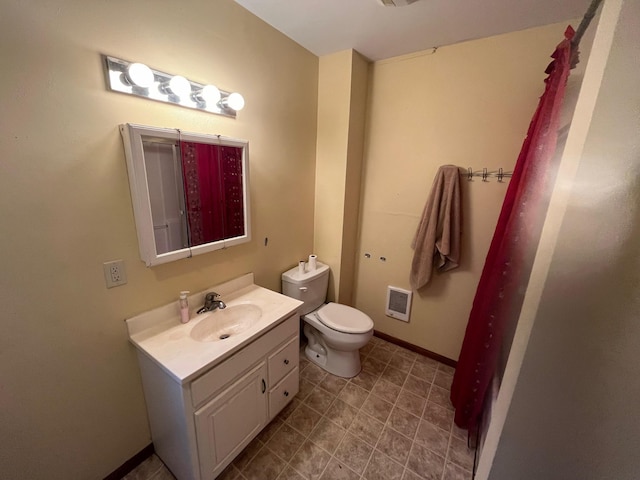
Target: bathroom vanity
x,y
212,384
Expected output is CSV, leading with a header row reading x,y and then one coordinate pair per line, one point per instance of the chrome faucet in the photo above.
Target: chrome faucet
x,y
210,303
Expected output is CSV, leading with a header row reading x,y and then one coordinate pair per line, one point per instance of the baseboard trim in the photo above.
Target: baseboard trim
x,y
415,348
132,463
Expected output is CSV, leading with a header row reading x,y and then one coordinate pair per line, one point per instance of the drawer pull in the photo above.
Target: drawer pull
x,y
286,362
286,394
264,386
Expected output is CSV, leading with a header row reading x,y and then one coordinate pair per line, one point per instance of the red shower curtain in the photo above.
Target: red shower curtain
x,y
501,289
203,192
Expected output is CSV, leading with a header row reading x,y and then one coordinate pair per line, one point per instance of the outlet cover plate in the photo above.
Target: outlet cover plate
x,y
114,273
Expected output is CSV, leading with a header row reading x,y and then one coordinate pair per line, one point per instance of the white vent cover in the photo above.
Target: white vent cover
x,y
398,303
396,3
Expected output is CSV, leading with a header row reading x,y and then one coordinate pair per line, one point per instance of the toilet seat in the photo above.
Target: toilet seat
x,y
343,318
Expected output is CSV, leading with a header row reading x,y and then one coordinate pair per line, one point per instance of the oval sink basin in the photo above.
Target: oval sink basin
x,y
222,324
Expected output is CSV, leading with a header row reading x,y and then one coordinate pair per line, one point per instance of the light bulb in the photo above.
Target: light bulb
x,y
180,86
235,101
140,75
210,94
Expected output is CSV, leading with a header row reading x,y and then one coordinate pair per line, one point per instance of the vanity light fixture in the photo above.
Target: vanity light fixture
x,y
137,79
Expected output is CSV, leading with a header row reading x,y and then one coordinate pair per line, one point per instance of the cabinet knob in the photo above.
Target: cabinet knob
x,y
286,394
264,386
286,362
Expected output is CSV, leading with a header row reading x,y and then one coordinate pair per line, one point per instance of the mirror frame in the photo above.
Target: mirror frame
x,y
133,136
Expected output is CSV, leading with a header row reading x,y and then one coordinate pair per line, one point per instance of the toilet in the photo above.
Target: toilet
x,y
334,332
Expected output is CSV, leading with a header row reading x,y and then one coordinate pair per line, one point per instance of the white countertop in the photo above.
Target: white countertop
x,y
160,335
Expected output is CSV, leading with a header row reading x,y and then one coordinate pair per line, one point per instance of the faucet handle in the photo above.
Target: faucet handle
x,y
209,300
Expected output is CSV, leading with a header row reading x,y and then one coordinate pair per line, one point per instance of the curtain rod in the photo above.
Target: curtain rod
x,y
584,24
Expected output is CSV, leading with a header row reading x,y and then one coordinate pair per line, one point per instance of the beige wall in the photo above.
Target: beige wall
x,y
342,93
470,105
71,402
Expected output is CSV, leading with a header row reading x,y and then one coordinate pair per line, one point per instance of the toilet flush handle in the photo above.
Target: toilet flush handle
x,y
303,289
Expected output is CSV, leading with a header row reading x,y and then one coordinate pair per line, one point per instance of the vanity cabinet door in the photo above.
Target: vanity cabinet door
x,y
226,424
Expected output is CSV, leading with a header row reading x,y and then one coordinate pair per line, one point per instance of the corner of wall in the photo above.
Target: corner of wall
x,y
342,94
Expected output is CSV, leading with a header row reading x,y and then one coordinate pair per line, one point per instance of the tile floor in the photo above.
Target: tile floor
x,y
393,421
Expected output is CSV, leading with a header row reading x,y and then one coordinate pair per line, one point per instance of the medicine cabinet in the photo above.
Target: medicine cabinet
x,y
190,191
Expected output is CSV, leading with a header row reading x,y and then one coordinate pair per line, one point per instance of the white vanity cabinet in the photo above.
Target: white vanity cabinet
x,y
200,425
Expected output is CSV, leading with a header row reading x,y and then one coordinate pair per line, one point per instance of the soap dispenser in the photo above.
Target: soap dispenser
x,y
184,307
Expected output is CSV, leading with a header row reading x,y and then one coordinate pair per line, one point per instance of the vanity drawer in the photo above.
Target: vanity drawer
x,y
283,361
282,393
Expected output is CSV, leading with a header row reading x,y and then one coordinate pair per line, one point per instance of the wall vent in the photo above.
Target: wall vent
x,y
398,303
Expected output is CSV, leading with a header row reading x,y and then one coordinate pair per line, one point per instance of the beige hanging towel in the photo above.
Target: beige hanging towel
x,y
437,239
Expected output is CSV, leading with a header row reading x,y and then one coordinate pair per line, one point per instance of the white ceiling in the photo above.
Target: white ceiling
x,y
378,32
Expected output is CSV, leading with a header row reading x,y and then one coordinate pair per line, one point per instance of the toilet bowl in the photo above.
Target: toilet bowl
x,y
329,345
335,332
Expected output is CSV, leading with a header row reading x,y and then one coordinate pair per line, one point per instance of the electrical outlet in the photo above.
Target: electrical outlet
x,y
114,273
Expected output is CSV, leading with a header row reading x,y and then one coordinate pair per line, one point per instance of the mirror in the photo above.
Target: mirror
x,y
190,191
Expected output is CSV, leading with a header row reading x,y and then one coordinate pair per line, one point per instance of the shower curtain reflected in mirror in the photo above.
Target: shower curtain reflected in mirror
x,y
213,191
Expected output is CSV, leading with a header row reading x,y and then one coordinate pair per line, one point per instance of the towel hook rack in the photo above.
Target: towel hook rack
x,y
486,174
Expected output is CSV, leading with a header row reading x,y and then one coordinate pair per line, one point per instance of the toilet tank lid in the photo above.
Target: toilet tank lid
x,y
344,318
293,275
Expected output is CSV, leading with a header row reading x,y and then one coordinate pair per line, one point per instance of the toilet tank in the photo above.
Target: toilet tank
x,y
309,287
